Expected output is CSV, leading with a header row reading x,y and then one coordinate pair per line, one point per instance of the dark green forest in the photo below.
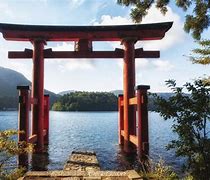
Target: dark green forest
x,y
86,101
95,101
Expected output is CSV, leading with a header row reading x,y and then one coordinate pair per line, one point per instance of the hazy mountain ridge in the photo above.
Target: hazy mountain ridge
x,y
9,80
151,98
164,95
66,92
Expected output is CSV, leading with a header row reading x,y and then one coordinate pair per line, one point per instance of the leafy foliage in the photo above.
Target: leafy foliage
x,y
158,170
86,101
195,22
161,171
8,149
191,115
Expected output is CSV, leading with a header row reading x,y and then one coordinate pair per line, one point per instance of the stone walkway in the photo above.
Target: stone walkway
x,y
82,161
81,166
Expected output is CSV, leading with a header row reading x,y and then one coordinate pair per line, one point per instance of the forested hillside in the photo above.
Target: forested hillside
x,y
97,101
86,101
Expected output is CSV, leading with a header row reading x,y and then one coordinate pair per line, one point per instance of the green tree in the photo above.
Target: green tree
x,y
9,148
86,101
57,106
196,22
191,116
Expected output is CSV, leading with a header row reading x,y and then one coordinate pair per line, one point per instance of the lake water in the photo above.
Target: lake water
x,y
95,131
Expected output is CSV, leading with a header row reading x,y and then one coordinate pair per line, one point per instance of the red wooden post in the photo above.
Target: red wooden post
x,y
128,89
23,120
46,117
143,131
23,112
38,92
120,121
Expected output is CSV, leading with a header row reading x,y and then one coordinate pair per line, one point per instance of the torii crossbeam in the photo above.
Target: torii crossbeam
x,y
83,36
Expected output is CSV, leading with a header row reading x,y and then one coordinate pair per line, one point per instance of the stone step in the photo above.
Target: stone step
x,y
82,161
82,166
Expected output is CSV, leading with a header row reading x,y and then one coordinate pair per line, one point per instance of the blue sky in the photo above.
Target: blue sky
x,y
99,74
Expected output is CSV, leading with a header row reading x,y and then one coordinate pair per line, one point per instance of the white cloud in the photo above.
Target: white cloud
x,y
71,64
75,3
40,1
174,36
64,47
81,64
162,65
149,64
115,45
142,63
117,20
5,11
22,67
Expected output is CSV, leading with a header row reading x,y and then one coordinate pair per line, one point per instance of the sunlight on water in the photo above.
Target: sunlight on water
x,y
95,131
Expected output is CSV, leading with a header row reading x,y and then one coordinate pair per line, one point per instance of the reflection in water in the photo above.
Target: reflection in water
x,y
40,161
22,161
94,131
127,161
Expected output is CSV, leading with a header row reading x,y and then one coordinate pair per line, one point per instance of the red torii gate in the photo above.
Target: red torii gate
x,y
83,36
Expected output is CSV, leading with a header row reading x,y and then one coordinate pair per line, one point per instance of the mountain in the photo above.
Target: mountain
x,y
117,92
66,92
163,95
151,99
9,80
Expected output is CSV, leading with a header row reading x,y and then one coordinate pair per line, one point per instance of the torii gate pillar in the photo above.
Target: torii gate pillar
x,y
129,90
38,92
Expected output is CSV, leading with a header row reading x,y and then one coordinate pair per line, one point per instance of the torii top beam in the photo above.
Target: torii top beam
x,y
17,32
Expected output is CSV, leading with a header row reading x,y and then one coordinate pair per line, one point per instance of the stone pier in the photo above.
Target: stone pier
x,y
81,166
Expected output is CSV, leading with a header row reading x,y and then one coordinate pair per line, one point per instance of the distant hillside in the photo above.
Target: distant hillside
x,y
9,80
96,101
151,104
117,92
163,95
86,101
66,92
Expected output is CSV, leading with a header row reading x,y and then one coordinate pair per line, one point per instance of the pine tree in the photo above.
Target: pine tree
x,y
202,55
